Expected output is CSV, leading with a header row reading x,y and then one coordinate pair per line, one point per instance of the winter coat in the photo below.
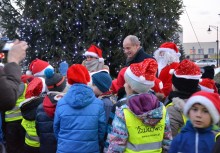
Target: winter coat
x,y
193,140
147,108
44,123
166,77
10,80
79,122
139,57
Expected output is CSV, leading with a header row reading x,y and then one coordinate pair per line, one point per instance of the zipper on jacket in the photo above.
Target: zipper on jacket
x,y
197,142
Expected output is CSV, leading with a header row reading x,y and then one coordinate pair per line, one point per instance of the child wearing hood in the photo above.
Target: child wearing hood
x,y
56,84
203,110
79,121
142,124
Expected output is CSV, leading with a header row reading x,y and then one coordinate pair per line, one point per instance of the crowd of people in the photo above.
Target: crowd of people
x,y
156,104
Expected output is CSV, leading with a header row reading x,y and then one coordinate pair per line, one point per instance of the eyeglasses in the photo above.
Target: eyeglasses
x,y
90,57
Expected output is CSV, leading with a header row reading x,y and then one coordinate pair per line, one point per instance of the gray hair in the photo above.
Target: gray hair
x,y
134,39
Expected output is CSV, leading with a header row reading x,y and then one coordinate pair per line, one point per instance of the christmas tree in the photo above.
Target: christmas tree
x,y
58,30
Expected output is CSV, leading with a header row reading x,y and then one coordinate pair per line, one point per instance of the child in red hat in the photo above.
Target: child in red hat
x,y
202,110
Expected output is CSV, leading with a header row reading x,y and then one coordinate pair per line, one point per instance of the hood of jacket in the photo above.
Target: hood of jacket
x,y
146,107
50,102
79,96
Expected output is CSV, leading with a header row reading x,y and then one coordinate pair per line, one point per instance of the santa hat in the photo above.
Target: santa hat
x,y
207,84
94,51
38,66
78,73
120,77
210,100
36,87
186,76
143,73
169,47
158,86
114,88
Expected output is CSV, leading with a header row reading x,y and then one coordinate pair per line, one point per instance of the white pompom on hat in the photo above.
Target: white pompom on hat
x,y
210,100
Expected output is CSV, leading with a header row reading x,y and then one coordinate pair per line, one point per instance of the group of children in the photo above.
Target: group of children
x,y
81,109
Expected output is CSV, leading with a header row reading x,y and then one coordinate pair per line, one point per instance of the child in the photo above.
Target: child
x,y
56,84
142,120
185,82
202,109
79,122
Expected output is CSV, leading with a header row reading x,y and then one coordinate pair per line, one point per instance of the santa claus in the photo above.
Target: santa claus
x,y
167,57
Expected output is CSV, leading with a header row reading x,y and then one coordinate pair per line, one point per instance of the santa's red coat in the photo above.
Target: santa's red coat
x,y
166,77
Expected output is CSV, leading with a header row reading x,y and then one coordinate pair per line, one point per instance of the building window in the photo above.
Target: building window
x,y
211,50
201,51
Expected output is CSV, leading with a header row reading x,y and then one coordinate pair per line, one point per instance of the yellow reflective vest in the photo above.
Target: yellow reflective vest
x,y
31,138
15,113
143,138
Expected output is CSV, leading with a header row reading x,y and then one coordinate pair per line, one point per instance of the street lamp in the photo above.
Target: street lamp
x,y
209,30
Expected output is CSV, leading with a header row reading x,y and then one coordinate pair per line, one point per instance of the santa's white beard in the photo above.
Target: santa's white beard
x,y
162,62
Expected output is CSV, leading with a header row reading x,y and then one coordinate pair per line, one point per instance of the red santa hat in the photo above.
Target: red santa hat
x,y
210,100
78,73
114,87
158,86
94,51
143,72
207,84
38,66
120,77
169,47
36,87
186,76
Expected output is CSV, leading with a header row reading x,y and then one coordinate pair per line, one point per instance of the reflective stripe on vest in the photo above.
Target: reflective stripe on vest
x,y
31,138
217,135
183,116
15,113
143,138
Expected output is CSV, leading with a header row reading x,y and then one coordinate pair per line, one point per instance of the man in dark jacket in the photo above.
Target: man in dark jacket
x,y
133,50
10,75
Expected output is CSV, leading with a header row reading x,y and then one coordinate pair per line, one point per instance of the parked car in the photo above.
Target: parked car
x,y
206,62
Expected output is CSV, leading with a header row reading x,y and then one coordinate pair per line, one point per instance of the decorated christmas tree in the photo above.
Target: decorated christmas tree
x,y
59,30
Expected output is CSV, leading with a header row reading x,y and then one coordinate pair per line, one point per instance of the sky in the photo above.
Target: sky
x,y
202,13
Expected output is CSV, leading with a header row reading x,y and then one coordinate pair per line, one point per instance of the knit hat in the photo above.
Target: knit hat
x,y
207,84
169,47
208,72
38,66
143,73
102,80
77,73
210,100
94,51
54,81
63,67
186,76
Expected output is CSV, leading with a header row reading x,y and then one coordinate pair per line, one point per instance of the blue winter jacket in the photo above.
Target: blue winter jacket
x,y
79,122
193,140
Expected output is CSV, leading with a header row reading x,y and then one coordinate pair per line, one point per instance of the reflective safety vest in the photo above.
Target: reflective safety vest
x,y
31,138
15,113
183,116
143,138
216,136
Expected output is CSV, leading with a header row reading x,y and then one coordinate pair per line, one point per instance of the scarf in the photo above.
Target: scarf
x,y
94,65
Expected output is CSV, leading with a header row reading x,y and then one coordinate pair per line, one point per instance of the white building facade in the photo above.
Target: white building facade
x,y
201,50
